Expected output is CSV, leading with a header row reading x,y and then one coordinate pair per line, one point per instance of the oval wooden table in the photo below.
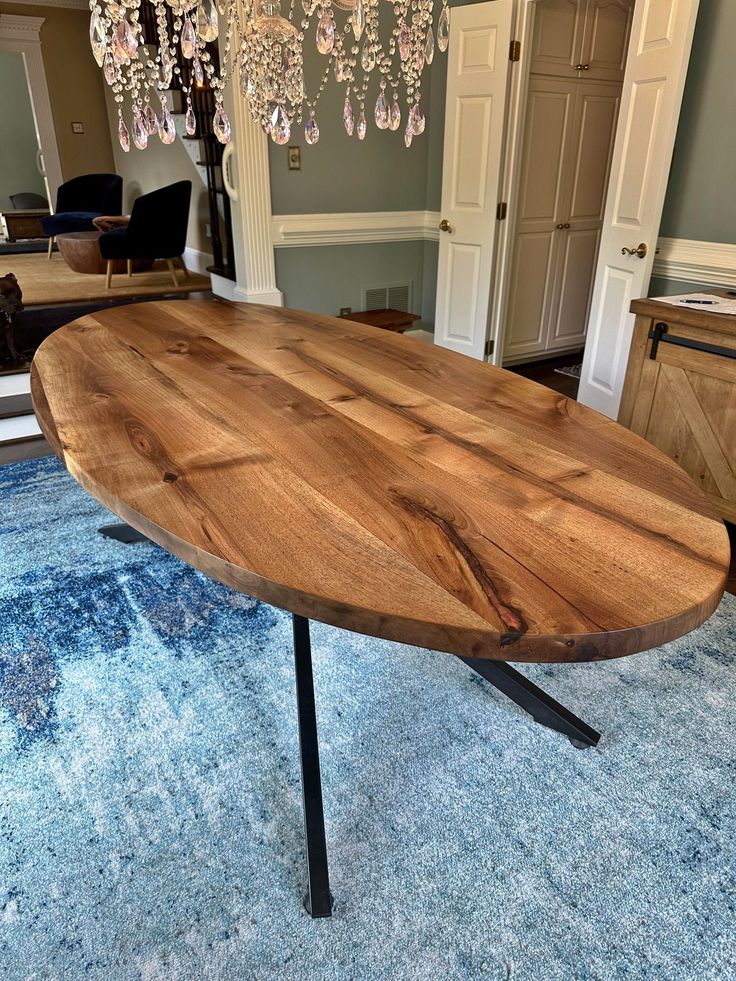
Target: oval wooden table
x,y
381,484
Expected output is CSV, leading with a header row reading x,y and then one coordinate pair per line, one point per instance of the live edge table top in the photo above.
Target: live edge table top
x,y
378,483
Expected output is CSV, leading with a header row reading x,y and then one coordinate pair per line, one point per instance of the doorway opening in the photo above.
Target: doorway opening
x,y
575,79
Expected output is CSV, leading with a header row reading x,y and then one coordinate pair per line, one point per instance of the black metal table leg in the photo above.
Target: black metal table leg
x,y
123,533
318,900
541,706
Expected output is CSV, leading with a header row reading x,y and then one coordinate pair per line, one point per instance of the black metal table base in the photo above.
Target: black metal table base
x,y
534,700
318,900
514,685
123,533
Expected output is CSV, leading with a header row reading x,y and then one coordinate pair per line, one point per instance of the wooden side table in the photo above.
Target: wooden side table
x,y
25,224
680,389
396,320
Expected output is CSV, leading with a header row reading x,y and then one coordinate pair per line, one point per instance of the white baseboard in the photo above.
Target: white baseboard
x,y
354,228
690,261
18,427
198,261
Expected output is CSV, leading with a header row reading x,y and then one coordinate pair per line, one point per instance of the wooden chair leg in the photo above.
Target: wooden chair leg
x,y
172,270
108,281
130,267
184,269
51,245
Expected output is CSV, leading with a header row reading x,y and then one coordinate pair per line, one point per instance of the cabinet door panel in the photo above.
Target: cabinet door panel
x,y
558,37
595,128
576,266
549,115
606,38
532,283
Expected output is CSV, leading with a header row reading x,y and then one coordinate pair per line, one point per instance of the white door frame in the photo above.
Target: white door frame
x,y
23,35
509,192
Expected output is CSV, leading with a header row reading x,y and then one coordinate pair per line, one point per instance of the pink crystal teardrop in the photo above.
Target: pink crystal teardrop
x,y
380,113
362,126
198,72
221,125
280,126
123,135
408,134
416,120
339,70
394,120
124,43
97,37
404,42
325,34
347,116
208,27
140,133
368,56
188,39
166,128
358,19
429,47
443,30
108,69
311,130
149,118
190,122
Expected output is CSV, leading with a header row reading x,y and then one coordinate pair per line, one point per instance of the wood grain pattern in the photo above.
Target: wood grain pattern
x,y
375,482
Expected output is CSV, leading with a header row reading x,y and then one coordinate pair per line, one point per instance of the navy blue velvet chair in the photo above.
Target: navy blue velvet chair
x,y
157,230
80,200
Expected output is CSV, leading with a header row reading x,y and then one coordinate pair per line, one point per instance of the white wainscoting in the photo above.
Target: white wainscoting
x,y
354,228
690,261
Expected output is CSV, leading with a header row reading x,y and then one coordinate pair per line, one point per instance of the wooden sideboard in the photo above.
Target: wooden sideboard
x,y
680,391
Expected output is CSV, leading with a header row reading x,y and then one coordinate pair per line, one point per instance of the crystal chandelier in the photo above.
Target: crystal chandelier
x,y
262,51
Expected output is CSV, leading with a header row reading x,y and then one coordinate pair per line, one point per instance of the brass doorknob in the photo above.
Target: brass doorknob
x,y
445,226
641,251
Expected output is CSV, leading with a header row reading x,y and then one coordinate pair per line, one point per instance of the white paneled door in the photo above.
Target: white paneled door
x,y
661,39
477,79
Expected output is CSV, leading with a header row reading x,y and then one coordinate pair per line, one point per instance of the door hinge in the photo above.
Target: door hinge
x,y
489,347
515,51
502,211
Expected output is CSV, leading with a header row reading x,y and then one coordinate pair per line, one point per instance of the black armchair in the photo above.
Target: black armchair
x,y
157,230
80,200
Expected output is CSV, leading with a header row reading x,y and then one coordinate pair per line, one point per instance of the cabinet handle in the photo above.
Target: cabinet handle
x,y
586,68
566,225
582,68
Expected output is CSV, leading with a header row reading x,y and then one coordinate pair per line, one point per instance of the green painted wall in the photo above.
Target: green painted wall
x,y
18,144
701,197
325,278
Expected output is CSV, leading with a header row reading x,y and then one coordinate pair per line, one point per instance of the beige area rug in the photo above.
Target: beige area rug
x,y
52,281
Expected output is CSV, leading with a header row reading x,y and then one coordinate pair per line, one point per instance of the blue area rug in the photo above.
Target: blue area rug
x,y
150,812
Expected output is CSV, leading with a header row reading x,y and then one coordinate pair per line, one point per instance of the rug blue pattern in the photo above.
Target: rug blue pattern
x,y
150,812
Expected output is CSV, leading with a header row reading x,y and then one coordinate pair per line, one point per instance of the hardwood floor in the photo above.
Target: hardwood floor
x,y
544,373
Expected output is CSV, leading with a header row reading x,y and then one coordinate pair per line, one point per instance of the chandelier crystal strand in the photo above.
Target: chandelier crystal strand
x,y
264,50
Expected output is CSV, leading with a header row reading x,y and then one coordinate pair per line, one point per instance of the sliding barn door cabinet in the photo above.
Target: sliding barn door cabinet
x,y
680,392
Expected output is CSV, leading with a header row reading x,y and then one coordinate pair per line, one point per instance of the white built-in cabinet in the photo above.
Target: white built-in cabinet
x,y
578,60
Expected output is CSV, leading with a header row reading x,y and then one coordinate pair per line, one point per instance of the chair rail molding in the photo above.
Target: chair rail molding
x,y
22,34
690,261
354,228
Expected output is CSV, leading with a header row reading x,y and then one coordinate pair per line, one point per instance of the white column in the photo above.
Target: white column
x,y
248,177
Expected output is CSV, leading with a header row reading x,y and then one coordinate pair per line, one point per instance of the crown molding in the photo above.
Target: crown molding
x,y
68,4
17,27
354,228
